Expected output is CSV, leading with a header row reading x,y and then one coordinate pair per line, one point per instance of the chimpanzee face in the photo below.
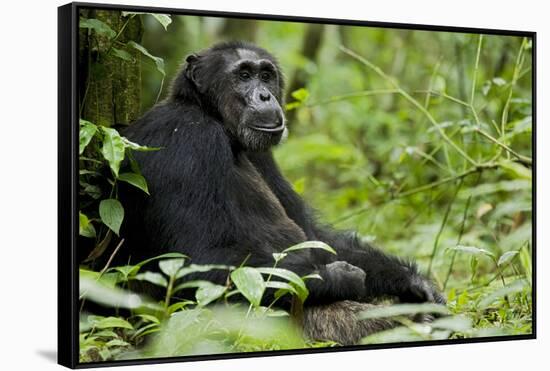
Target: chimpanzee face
x,y
245,88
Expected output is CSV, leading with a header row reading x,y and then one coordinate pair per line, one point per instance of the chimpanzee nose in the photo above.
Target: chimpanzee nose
x,y
265,97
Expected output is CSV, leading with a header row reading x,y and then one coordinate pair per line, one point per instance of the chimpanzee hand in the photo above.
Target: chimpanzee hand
x,y
346,278
420,290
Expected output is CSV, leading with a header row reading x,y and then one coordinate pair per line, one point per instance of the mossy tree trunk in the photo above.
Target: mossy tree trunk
x,y
110,84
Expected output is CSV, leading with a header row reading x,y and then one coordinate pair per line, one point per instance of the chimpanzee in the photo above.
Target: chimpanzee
x,y
218,196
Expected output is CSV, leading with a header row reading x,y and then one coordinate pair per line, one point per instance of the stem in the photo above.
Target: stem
x,y
458,241
169,291
526,160
517,69
474,79
359,94
464,174
443,223
413,101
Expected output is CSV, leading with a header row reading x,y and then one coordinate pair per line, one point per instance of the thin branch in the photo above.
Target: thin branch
x,y
359,94
413,101
453,178
442,226
517,69
111,258
523,159
476,67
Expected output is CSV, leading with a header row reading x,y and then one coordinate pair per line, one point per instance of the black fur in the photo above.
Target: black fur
x,y
218,196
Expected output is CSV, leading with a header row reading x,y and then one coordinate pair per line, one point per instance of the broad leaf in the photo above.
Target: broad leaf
x,y
112,149
195,268
152,277
111,322
139,148
159,62
123,54
513,288
472,250
403,310
310,245
506,257
291,277
250,284
112,214
87,132
207,294
163,19
86,228
134,179
170,267
98,26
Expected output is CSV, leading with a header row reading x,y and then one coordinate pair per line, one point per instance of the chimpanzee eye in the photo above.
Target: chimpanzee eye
x,y
265,76
244,75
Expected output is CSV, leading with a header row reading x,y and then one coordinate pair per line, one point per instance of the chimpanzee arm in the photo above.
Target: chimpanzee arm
x,y
386,275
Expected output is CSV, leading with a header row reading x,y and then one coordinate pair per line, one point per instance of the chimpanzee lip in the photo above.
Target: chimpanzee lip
x,y
276,129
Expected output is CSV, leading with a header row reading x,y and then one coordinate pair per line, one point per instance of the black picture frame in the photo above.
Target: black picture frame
x,y
68,174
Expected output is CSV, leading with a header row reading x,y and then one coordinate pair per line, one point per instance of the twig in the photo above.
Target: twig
x,y
413,101
476,66
517,68
464,174
523,159
443,223
111,258
460,234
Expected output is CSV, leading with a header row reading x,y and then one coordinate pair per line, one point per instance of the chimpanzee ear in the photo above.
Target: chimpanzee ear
x,y
191,68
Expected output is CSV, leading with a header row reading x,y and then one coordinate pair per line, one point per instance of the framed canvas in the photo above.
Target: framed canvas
x,y
241,185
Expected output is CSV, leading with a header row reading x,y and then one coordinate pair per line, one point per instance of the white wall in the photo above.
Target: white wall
x,y
28,182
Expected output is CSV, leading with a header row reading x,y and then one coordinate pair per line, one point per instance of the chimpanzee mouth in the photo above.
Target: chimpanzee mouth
x,y
269,129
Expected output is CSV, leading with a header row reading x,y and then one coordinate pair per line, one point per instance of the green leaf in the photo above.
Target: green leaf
x,y
506,257
503,186
194,268
134,179
123,54
112,322
291,277
207,294
86,228
112,214
250,284
311,245
136,147
87,132
516,170
98,26
453,323
163,19
300,95
117,343
149,318
152,277
514,287
112,149
170,267
403,310
472,250
281,286
159,62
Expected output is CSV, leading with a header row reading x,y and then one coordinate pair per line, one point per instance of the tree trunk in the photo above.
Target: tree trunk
x,y
310,48
110,86
239,29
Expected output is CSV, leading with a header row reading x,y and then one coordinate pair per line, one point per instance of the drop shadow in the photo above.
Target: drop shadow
x,y
50,355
